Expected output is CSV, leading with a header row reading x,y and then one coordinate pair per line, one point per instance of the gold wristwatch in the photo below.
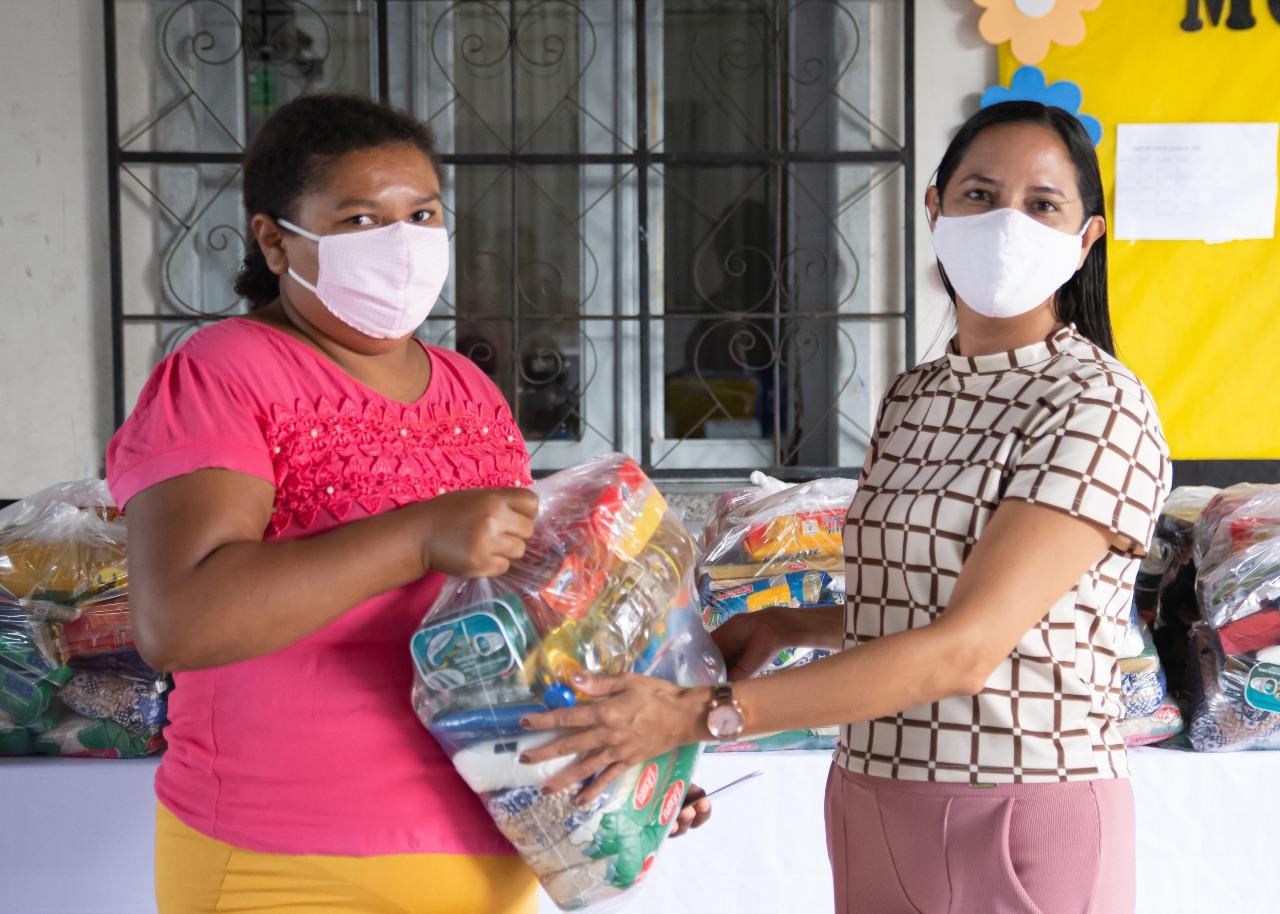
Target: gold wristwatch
x,y
724,719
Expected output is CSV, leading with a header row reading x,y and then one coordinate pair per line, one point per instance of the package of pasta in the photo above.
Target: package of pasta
x,y
76,736
606,586
722,600
68,668
1161,724
1236,696
1237,552
779,530
1142,692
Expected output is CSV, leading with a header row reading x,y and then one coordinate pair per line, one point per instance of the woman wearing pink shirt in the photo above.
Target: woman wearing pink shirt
x,y
297,482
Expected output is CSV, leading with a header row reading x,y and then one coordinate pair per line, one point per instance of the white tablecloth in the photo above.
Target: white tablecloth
x,y
75,838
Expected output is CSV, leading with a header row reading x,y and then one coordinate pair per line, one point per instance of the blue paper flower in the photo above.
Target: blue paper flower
x,y
1029,85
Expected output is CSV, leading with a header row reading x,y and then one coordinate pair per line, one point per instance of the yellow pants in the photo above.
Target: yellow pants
x,y
196,874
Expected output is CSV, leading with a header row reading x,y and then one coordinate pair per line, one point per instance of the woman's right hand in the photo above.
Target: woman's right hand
x,y
750,640
477,533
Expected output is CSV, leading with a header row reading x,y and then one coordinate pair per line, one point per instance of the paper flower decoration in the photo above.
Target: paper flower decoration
x,y
1029,85
1032,25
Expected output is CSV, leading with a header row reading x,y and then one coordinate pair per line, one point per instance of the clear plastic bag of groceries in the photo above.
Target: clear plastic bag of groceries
x,y
774,544
71,682
1236,697
606,586
766,531
1238,553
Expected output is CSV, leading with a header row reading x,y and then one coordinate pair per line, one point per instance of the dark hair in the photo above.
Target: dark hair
x,y
289,156
1082,300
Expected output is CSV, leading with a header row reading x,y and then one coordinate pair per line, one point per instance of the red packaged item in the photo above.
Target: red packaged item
x,y
1252,633
103,628
625,514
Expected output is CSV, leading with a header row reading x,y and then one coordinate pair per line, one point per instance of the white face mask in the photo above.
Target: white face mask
x,y
382,282
1004,263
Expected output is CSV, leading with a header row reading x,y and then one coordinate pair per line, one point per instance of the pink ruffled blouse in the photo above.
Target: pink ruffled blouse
x,y
315,749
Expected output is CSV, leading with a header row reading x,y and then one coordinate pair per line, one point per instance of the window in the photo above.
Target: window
x,y
681,228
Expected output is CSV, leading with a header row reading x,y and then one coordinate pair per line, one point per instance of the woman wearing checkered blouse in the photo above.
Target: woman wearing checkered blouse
x,y
1010,490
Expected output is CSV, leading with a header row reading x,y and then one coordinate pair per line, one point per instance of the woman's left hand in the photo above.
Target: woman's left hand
x,y
632,719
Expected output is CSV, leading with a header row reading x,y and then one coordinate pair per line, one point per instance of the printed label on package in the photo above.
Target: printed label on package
x,y
646,786
671,803
1262,690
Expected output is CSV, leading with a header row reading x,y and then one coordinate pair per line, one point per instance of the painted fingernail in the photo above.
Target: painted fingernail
x,y
524,759
524,723
579,679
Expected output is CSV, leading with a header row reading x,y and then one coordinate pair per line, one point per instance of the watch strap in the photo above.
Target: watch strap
x,y
722,695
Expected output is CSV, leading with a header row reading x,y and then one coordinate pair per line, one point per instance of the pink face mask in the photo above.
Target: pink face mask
x,y
381,282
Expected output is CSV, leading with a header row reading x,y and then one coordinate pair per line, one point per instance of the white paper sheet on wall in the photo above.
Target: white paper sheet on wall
x,y
1195,182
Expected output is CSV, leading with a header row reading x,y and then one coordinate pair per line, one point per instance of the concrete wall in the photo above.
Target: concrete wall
x,y
953,66
55,372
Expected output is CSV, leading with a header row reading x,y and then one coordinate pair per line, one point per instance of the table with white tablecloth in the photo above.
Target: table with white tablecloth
x,y
76,837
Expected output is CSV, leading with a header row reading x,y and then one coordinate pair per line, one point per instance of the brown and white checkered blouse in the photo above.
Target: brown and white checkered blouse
x,y
1060,424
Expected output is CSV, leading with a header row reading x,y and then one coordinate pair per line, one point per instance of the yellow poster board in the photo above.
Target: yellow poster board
x,y
1199,323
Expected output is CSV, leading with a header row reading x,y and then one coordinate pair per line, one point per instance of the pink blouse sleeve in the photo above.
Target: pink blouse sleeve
x,y
189,417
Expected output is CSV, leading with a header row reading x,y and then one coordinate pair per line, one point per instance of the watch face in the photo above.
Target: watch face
x,y
724,722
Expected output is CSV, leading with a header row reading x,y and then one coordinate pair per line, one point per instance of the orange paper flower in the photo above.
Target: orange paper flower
x,y
1032,25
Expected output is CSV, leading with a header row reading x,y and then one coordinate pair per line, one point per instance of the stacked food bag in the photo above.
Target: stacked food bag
x,y
1149,713
70,681
776,545
1165,608
1235,663
1165,590
606,586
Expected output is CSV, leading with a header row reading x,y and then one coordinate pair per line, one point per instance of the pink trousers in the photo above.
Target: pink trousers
x,y
906,847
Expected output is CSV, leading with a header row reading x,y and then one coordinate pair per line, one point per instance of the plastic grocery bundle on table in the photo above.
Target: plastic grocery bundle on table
x,y
776,545
1141,677
70,680
1165,589
606,586
1234,653
1148,714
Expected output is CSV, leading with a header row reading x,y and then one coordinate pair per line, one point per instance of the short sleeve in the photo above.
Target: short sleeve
x,y
189,417
1102,457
